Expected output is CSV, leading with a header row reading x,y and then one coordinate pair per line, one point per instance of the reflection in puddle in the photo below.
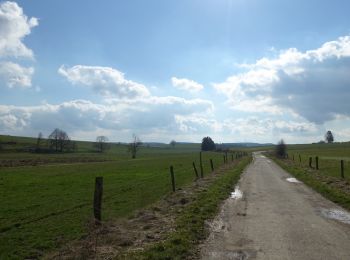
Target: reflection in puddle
x,y
237,194
336,214
293,180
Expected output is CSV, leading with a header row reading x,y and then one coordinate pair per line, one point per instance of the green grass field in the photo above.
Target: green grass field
x,y
329,157
45,206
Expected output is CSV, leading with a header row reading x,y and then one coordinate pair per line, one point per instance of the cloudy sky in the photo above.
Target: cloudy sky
x,y
236,70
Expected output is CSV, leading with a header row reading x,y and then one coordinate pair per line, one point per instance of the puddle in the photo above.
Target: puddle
x,y
337,214
237,194
293,180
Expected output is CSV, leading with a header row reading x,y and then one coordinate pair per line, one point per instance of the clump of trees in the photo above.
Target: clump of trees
x,y
101,143
329,137
134,146
208,144
172,143
281,149
59,141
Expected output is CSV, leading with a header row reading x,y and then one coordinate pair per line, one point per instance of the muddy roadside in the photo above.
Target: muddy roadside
x,y
143,229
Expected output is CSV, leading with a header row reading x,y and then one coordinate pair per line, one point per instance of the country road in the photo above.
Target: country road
x,y
276,218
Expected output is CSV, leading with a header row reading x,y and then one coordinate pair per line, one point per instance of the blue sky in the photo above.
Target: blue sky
x,y
236,70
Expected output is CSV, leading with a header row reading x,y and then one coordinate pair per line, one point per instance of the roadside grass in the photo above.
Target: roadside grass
x,y
191,222
329,186
44,207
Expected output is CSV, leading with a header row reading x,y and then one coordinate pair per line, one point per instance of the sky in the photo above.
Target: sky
x,y
234,70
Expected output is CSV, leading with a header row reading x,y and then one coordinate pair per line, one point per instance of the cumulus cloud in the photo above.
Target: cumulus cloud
x,y
104,80
14,75
14,26
313,84
186,84
81,116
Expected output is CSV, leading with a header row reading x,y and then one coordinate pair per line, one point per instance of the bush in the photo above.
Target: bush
x,y
281,149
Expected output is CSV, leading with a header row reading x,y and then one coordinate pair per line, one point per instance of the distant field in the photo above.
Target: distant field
x,y
44,206
329,157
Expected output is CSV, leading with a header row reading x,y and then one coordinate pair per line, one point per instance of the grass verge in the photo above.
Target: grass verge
x,y
190,227
320,183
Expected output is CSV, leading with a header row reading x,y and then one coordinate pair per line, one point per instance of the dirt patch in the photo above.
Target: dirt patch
x,y
148,226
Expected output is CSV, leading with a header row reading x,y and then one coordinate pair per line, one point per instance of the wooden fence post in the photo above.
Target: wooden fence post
x,y
195,170
201,164
231,156
98,199
342,168
293,156
310,162
172,177
224,159
316,158
211,165
299,158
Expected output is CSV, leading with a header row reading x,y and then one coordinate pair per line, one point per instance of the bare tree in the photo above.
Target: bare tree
x,y
173,143
101,143
134,146
38,142
329,137
58,140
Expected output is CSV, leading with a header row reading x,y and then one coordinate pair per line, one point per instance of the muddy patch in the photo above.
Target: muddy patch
x,y
336,214
234,255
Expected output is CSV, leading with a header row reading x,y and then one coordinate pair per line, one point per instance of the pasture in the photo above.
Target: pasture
x,y
48,203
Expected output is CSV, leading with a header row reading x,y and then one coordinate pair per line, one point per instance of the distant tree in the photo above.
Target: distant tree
x,y
134,146
329,137
59,141
101,143
38,142
208,144
281,149
173,143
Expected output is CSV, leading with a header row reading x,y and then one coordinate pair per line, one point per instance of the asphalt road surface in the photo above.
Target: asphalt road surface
x,y
270,217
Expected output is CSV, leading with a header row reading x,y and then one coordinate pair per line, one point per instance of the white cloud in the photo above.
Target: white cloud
x,y
141,116
186,84
313,84
14,75
104,80
14,26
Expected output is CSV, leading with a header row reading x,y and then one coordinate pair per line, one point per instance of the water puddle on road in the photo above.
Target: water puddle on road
x,y
292,180
337,214
237,194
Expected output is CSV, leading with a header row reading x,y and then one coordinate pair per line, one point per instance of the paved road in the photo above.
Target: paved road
x,y
277,219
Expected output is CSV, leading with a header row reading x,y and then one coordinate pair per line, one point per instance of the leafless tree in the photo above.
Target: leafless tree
x,y
134,146
101,143
58,140
39,141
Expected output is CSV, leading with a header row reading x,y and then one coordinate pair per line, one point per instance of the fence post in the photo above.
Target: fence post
x,y
224,159
98,199
195,170
231,156
201,164
211,165
310,162
299,158
293,156
172,177
342,168
316,162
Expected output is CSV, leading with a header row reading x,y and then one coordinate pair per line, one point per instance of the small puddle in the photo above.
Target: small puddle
x,y
237,194
337,214
292,180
